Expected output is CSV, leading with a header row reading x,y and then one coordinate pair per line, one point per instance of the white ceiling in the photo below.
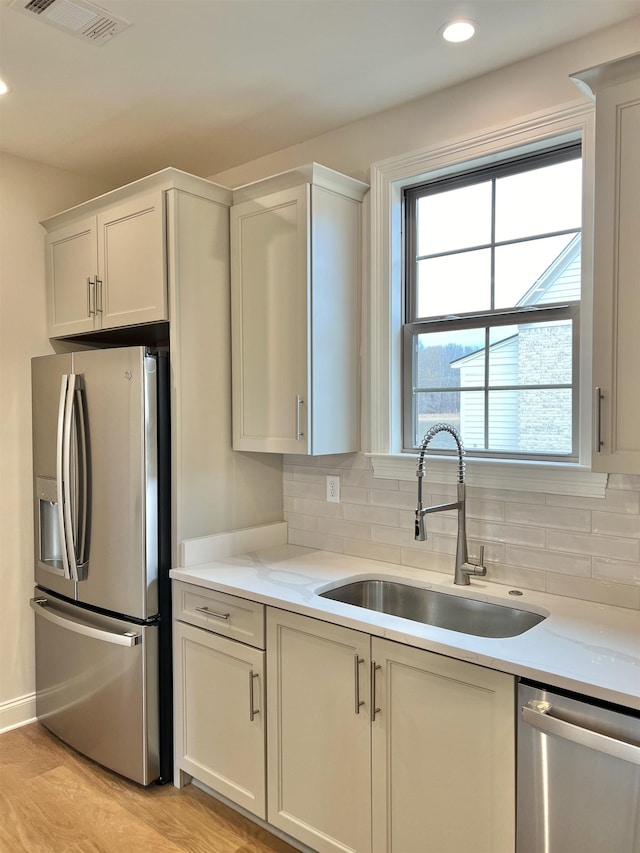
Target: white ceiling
x,y
205,85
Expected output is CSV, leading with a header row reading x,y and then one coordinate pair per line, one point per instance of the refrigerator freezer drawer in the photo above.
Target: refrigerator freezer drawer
x,y
96,685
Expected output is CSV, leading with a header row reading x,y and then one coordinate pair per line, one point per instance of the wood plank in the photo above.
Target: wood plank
x,y
52,800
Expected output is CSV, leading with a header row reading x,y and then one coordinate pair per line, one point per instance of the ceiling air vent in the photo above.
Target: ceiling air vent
x,y
78,17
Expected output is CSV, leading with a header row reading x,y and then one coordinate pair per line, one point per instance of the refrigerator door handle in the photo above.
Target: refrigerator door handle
x,y
68,538
538,715
42,608
60,475
81,506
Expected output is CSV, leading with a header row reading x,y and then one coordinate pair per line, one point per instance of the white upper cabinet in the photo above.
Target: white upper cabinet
x,y
132,262
108,270
295,276
616,308
71,268
107,260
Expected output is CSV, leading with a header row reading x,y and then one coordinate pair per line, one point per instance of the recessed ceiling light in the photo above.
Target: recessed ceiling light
x,y
457,31
3,87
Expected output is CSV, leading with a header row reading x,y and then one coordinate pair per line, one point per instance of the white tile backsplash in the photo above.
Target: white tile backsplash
x,y
585,548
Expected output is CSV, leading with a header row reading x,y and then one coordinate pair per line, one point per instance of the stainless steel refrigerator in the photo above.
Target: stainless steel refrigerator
x,y
102,554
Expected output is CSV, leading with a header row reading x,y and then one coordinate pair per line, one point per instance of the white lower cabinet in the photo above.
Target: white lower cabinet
x,y
219,704
373,745
319,742
443,754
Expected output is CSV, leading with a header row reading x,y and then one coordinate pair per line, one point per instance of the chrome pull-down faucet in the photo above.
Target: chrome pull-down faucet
x,y
463,568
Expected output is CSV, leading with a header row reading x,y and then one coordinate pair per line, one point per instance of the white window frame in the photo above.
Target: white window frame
x,y
383,342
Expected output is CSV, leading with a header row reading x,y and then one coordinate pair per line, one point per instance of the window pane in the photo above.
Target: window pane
x,y
433,408
455,219
531,421
539,201
441,359
454,284
537,271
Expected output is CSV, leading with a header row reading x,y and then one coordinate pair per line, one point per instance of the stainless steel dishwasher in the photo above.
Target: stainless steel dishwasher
x,y
578,774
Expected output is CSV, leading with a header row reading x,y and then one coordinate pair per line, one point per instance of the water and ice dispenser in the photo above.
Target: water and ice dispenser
x,y
49,546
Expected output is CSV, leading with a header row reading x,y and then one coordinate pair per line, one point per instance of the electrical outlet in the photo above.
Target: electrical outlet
x,y
333,489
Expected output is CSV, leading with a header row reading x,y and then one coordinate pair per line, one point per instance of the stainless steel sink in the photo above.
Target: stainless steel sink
x,y
456,613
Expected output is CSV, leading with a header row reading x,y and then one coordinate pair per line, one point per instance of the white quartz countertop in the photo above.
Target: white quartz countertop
x,y
593,649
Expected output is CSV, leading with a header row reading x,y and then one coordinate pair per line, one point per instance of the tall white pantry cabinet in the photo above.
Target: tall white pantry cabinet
x,y
295,276
616,305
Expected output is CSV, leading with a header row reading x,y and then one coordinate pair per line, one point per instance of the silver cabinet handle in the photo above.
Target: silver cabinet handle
x,y
597,419
213,613
129,638
357,660
252,709
374,709
299,404
91,291
99,305
540,718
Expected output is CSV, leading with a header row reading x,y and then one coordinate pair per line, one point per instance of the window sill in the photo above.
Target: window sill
x,y
550,478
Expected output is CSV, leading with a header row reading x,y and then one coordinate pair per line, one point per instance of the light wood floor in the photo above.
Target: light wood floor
x,y
53,800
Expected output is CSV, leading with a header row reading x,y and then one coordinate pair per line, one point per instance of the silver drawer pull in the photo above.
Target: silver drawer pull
x,y
213,613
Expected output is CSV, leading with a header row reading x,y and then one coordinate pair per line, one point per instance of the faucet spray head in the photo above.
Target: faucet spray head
x,y
421,527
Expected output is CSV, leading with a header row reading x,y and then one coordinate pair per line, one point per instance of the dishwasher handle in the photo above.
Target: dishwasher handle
x,y
539,715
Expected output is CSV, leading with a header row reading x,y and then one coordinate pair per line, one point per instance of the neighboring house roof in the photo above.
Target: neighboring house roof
x,y
470,357
561,269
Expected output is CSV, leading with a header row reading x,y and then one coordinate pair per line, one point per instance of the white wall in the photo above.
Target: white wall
x,y
497,99
28,193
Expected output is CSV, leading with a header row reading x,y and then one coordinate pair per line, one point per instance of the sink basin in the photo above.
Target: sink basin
x,y
456,613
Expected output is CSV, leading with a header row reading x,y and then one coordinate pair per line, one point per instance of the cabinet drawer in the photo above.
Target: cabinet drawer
x,y
223,614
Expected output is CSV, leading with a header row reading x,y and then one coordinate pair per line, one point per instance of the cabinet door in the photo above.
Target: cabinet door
x,y
71,268
616,346
220,715
318,738
131,262
270,277
443,760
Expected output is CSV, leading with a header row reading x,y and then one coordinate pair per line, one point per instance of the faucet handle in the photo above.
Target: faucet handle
x,y
476,569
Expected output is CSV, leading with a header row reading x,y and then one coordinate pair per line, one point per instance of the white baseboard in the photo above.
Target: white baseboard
x,y
17,712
